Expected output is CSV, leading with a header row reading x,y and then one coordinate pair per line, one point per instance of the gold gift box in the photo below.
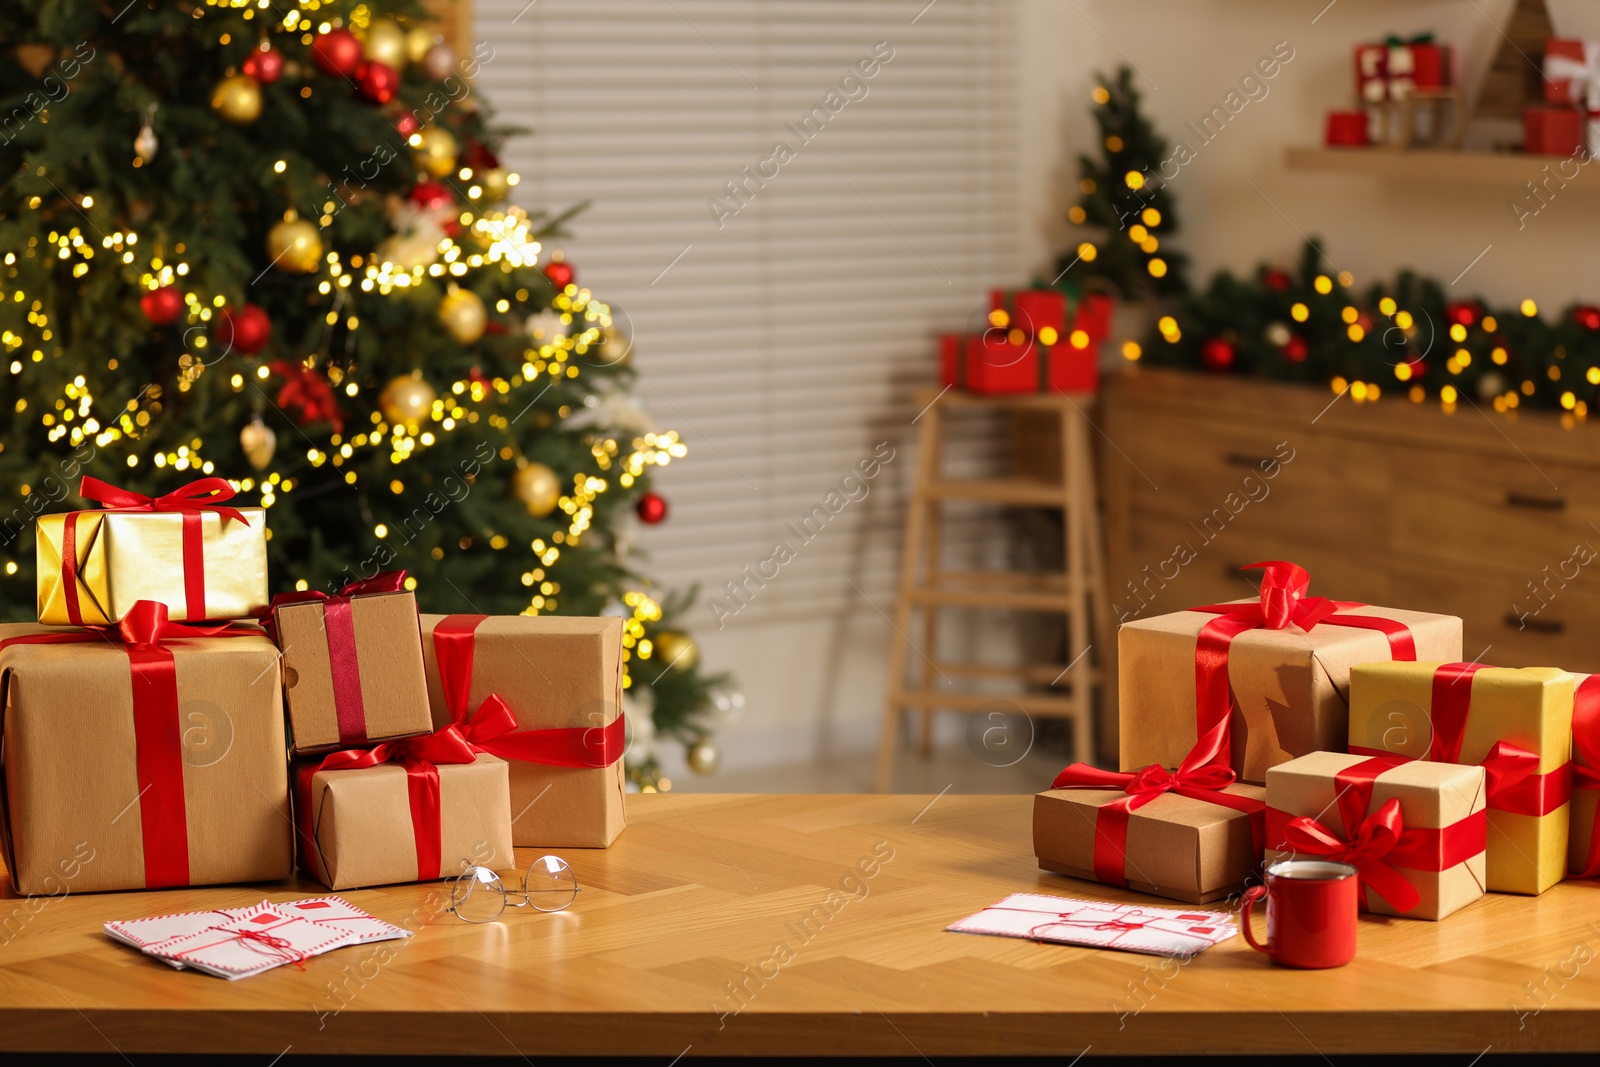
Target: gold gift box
x,y
124,557
1391,710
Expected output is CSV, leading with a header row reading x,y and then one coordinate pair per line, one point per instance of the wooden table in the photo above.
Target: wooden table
x,y
696,899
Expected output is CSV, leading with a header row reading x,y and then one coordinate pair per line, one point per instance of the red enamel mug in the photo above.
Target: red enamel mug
x,y
1311,913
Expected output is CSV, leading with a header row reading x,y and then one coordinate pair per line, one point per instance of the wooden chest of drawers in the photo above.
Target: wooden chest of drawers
x,y
1492,517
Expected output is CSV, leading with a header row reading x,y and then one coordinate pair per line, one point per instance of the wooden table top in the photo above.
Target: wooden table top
x,y
697,897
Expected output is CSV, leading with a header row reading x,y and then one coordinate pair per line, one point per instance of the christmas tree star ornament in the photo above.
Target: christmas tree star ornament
x,y
237,99
294,246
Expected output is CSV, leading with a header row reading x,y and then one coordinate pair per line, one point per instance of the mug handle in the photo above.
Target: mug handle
x,y
1251,895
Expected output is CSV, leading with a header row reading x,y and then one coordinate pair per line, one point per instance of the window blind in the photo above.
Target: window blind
x,y
784,301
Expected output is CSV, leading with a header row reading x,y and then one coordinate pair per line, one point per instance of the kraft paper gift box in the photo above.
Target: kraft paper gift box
x,y
1195,848
116,783
378,826
1418,827
352,669
561,679
201,559
1281,692
1515,721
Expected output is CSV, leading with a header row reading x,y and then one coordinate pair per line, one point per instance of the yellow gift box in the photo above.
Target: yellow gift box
x,y
179,550
1514,721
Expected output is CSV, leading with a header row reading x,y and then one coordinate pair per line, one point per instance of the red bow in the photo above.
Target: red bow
x,y
1375,837
1586,769
202,494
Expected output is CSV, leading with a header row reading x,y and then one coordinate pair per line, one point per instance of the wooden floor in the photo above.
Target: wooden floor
x,y
694,902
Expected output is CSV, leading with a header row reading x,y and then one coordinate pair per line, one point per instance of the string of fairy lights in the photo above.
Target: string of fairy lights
x,y
488,238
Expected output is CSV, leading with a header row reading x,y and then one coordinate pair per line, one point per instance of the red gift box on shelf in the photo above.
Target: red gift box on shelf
x,y
1346,129
1033,345
1571,70
1393,69
1552,131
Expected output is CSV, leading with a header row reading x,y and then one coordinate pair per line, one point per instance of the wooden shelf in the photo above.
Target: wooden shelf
x,y
1424,165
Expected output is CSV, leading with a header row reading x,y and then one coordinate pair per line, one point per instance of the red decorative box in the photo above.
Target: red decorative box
x,y
1552,131
1566,71
1031,311
994,366
1346,129
1391,70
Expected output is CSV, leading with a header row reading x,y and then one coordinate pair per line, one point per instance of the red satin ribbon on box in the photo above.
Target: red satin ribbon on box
x,y
1586,767
201,495
158,743
569,746
349,707
1283,601
1513,785
1192,779
1380,842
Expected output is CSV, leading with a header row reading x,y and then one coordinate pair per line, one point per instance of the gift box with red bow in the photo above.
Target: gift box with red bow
x,y
1193,835
1035,343
1256,682
1394,69
142,757
352,664
184,549
1514,722
1572,89
1414,830
543,693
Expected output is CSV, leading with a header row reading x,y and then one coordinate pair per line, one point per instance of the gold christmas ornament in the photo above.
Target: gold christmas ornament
x,y
435,151
147,143
463,314
439,61
537,487
385,43
237,99
407,399
704,759
418,40
294,245
259,443
496,183
676,650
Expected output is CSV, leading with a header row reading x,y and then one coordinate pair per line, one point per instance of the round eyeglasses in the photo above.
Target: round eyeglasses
x,y
479,896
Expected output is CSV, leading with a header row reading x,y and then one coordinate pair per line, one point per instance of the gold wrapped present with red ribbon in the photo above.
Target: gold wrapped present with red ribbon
x,y
142,757
1583,848
1253,683
1516,722
184,549
1414,830
543,693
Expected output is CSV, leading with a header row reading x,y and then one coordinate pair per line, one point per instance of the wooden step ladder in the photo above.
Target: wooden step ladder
x,y
1078,592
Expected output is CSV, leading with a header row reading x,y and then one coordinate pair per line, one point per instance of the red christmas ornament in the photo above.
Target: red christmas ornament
x,y
265,66
1276,280
1217,354
651,509
560,273
378,82
1295,350
1587,316
1464,313
336,52
479,157
431,195
407,124
307,393
1418,368
161,306
247,330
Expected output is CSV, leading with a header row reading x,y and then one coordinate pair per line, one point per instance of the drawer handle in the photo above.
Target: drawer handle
x,y
1515,499
1538,626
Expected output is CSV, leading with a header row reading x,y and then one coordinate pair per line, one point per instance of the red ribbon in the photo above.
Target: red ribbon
x,y
201,495
569,746
281,947
1513,785
1193,780
158,744
1586,769
344,663
1377,844
1283,601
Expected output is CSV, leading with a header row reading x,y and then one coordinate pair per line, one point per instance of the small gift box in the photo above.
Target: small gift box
x,y
543,693
1194,836
991,365
1552,131
185,550
405,811
352,664
1414,830
1256,683
1583,847
1571,70
1515,722
1395,68
142,758
1346,129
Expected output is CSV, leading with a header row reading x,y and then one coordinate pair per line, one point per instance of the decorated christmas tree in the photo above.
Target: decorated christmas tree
x,y
273,243
1125,198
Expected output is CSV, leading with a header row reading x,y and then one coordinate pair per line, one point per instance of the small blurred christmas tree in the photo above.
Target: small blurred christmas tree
x,y
1125,197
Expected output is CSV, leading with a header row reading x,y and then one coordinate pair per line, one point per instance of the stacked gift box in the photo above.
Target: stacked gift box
x,y
1297,726
1034,341
148,715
